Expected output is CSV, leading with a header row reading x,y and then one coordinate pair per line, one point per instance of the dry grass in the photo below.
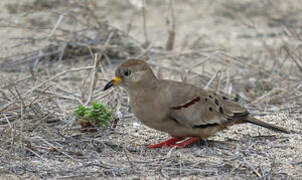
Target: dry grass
x,y
51,69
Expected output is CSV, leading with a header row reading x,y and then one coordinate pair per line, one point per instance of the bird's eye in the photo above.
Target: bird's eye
x,y
127,72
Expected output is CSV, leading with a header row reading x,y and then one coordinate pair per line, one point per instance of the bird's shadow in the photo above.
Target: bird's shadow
x,y
261,139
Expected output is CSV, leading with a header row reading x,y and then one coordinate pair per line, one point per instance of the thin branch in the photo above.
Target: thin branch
x,y
144,11
171,26
93,78
56,25
292,58
56,76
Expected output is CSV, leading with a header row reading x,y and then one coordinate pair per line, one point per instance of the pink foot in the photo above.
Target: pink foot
x,y
166,143
185,143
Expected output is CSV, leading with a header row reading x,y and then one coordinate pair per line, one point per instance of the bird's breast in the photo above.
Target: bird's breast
x,y
147,109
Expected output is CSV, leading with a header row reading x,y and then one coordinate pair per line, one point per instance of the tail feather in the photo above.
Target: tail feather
x,y
266,125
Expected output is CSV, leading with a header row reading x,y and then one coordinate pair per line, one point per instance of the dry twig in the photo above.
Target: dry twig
x,y
171,26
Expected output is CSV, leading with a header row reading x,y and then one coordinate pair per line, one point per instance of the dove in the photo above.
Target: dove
x,y
187,113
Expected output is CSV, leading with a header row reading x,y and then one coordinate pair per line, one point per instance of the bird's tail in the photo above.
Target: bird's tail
x,y
266,125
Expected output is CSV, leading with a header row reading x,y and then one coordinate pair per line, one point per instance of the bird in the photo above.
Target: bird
x,y
186,112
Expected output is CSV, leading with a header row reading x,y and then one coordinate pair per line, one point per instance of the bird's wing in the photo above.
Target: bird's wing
x,y
206,108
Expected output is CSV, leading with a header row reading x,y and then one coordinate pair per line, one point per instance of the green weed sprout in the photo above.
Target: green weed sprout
x,y
96,115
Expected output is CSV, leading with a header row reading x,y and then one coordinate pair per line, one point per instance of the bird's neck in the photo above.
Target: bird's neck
x,y
146,85
144,88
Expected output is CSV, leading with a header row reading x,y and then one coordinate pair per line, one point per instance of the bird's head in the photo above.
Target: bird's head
x,y
133,72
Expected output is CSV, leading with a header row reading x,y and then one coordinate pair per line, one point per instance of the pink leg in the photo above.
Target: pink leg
x,y
166,143
186,142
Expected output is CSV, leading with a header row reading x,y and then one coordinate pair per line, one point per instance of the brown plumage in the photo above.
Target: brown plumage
x,y
179,109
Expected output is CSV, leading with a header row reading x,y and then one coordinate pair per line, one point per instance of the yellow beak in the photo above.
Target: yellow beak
x,y
115,81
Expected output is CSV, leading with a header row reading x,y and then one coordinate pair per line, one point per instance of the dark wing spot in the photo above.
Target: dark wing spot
x,y
206,99
205,125
210,109
210,96
220,110
216,102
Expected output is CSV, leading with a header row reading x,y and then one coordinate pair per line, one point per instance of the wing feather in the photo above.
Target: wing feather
x,y
207,109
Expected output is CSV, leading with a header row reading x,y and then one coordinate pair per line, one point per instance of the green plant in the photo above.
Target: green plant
x,y
95,115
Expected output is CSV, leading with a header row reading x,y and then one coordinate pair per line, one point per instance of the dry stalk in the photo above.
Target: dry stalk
x,y
53,147
171,26
293,58
56,25
144,12
22,109
252,167
219,81
237,60
184,75
212,79
57,95
94,77
228,85
128,159
8,122
129,24
83,88
56,76
7,106
266,95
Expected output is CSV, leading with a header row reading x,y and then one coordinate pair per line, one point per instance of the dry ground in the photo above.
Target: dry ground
x,y
246,49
